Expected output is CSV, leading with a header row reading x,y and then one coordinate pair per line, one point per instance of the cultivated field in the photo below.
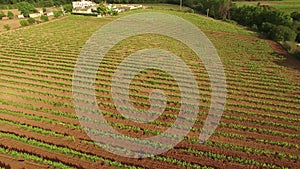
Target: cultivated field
x,y
283,5
39,127
15,23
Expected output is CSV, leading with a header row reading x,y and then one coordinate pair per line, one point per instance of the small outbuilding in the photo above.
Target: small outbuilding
x,y
35,15
5,18
49,13
21,16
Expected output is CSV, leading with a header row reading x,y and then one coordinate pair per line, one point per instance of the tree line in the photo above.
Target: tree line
x,y
275,24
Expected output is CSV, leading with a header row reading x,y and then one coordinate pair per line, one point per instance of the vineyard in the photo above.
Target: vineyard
x,y
260,126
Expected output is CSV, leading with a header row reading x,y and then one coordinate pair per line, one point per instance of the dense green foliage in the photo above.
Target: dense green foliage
x,y
24,22
31,21
257,0
295,16
215,8
44,18
57,14
275,24
250,15
102,9
10,15
68,8
26,8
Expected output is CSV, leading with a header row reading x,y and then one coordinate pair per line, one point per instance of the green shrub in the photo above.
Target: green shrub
x,y
7,27
44,9
288,33
103,10
266,27
57,14
254,27
10,15
2,14
278,33
44,18
295,16
114,13
24,23
31,21
282,33
68,8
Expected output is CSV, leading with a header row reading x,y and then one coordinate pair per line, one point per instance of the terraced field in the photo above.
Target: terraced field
x,y
39,126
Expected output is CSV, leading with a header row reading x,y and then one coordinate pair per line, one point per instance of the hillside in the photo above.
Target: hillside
x,y
39,127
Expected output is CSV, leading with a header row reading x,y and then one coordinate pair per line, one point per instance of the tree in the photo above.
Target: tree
x,y
250,15
282,33
295,16
224,8
266,27
214,8
46,3
289,34
68,8
102,9
26,8
10,15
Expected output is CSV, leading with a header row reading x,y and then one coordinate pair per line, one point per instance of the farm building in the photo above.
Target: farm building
x,y
88,7
35,15
21,16
47,12
5,18
84,10
50,13
84,6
